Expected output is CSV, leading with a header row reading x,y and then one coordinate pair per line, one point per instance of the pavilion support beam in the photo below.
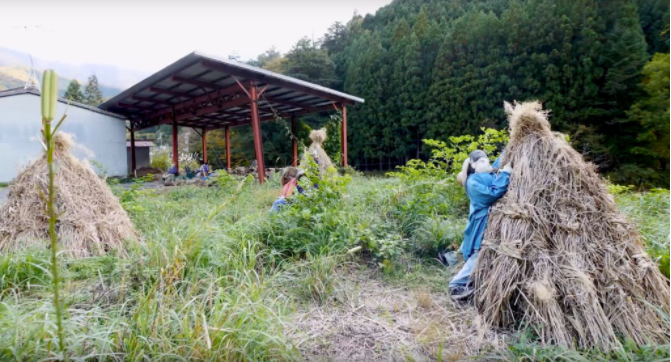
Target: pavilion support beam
x,y
175,156
294,141
227,133
256,130
343,136
152,100
238,102
134,106
133,163
217,96
167,91
204,136
324,108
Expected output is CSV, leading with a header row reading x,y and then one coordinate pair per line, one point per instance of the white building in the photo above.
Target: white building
x,y
100,132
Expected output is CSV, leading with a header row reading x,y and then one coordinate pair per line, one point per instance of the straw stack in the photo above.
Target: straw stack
x,y
316,149
90,221
557,254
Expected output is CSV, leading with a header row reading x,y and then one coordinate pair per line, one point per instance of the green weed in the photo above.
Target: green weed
x,y
215,276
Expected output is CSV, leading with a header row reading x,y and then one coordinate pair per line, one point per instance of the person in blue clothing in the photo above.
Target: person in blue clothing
x,y
484,185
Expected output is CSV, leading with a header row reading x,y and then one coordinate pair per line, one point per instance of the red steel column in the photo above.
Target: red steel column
x,y
133,163
343,136
256,129
227,132
204,145
175,156
294,142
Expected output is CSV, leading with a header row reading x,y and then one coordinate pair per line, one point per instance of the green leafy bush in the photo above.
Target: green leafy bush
x,y
161,159
332,146
437,233
312,222
446,159
429,189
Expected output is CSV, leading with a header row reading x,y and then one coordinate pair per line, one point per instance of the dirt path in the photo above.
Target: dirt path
x,y
374,321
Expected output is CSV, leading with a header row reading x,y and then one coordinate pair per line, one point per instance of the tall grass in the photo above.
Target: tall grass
x,y
216,277
650,211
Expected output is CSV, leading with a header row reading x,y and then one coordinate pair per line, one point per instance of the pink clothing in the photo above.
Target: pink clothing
x,y
288,189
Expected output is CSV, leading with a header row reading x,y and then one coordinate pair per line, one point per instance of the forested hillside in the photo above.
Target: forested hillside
x,y
436,68
433,69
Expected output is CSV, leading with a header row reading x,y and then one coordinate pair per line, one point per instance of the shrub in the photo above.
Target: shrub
x,y
429,188
160,158
437,233
446,159
312,222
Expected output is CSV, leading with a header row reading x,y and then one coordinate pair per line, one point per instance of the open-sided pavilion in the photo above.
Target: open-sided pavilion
x,y
207,93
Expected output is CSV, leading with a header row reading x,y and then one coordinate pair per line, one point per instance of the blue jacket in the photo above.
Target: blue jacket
x,y
483,189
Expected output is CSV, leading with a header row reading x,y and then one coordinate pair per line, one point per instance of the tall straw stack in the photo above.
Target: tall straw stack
x,y
316,149
557,254
90,222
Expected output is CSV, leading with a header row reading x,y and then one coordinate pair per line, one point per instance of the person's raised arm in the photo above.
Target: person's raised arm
x,y
497,163
489,194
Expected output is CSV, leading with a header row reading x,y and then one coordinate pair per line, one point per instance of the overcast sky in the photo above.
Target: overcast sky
x,y
150,34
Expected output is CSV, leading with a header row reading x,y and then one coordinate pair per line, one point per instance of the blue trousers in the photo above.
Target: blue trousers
x,y
461,279
277,205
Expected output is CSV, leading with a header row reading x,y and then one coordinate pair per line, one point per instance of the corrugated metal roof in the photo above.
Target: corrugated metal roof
x,y
201,90
18,91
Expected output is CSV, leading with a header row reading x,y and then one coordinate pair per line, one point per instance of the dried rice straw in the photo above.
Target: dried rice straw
x,y
90,221
558,256
316,149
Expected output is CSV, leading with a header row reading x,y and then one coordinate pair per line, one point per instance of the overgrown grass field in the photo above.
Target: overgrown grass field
x,y
216,277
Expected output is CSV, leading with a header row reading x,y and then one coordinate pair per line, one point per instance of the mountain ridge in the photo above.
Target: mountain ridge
x,y
15,66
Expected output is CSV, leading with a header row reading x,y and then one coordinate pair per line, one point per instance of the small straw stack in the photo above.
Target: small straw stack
x,y
557,254
90,222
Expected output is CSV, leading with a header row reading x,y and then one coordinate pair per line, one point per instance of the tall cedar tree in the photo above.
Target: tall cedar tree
x,y
92,95
651,114
74,92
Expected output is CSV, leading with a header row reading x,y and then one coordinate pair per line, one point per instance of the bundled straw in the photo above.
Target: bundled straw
x,y
90,219
558,256
316,149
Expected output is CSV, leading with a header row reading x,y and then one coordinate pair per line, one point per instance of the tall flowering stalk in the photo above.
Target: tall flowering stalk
x,y
49,97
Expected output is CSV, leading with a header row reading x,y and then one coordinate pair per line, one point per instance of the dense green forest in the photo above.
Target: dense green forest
x,y
436,68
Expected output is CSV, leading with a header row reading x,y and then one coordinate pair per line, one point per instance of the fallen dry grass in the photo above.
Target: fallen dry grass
x,y
375,321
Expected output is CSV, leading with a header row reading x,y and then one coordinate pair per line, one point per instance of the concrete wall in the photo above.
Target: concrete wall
x,y
20,123
141,158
